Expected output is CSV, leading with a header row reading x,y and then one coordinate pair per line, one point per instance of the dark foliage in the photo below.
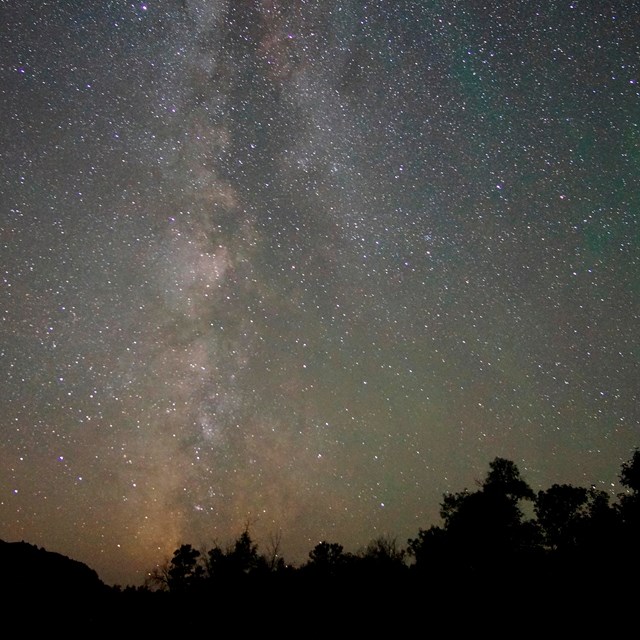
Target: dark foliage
x,y
487,557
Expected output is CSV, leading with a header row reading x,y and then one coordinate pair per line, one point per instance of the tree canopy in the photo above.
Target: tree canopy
x,y
489,539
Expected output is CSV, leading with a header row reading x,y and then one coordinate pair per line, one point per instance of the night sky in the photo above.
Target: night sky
x,y
304,266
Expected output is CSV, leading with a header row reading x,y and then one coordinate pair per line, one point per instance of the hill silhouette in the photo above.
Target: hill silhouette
x,y
43,591
29,570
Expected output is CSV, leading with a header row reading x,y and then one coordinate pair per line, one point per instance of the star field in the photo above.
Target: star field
x,y
309,265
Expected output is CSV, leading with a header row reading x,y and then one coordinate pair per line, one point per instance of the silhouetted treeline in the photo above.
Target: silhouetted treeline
x,y
501,528
500,543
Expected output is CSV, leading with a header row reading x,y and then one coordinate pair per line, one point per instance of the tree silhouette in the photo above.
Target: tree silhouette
x,y
244,558
504,478
239,561
385,550
630,473
327,560
429,550
382,560
483,530
489,523
272,558
184,569
630,501
629,512
158,577
561,511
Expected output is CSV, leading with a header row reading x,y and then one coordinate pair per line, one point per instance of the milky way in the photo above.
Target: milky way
x,y
306,266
